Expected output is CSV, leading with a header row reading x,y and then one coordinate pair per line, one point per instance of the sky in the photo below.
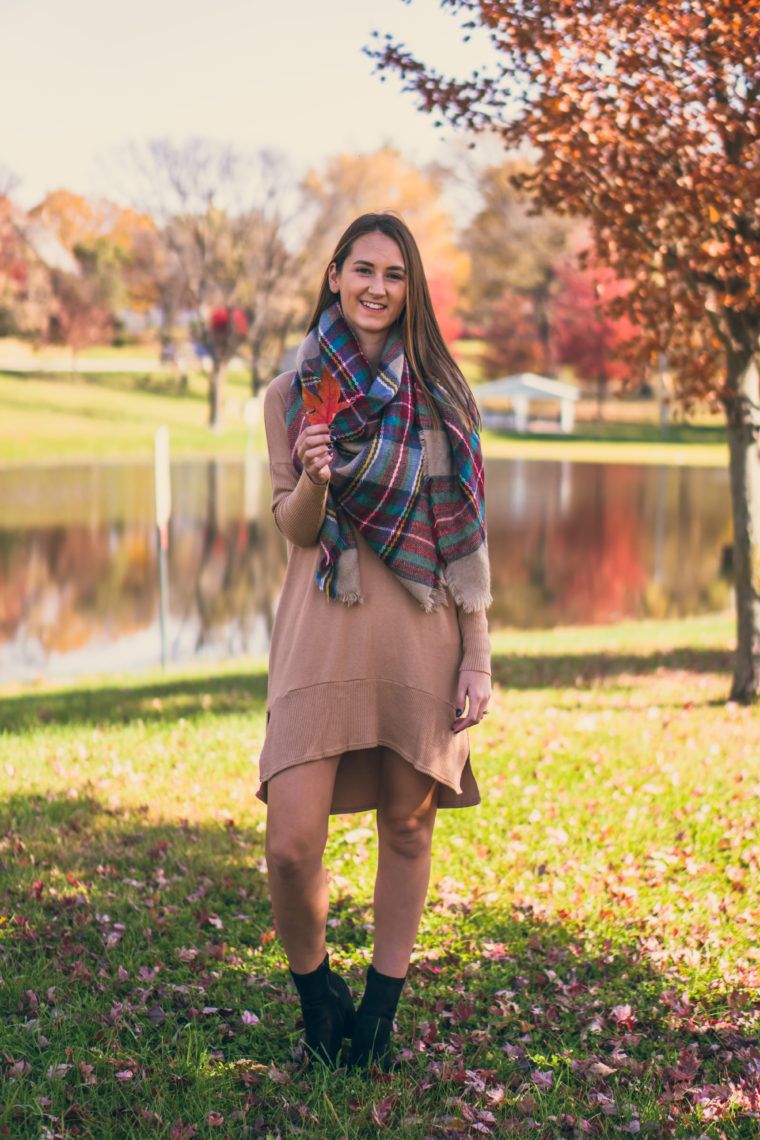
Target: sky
x,y
82,79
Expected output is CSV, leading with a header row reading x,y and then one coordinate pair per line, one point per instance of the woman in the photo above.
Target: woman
x,y
380,658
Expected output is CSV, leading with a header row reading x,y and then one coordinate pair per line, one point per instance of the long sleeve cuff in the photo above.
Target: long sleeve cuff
x,y
476,644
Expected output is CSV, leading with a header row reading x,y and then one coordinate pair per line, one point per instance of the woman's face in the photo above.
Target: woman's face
x,y
372,284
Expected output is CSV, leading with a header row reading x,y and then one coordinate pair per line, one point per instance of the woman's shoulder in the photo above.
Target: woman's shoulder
x,y
278,389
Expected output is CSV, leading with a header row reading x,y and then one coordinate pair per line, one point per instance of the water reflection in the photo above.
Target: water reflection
x,y
574,542
79,571
570,543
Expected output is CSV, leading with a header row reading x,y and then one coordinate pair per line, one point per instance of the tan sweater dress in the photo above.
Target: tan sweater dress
x,y
350,680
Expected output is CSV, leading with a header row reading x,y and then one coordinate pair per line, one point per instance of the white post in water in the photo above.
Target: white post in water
x,y
163,511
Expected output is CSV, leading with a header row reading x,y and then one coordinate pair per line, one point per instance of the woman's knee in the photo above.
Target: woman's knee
x,y
409,837
291,855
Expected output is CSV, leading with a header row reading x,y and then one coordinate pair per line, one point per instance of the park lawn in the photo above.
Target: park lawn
x,y
49,418
588,958
610,442
46,418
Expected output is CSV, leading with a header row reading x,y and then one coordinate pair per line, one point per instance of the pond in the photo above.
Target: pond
x,y
570,543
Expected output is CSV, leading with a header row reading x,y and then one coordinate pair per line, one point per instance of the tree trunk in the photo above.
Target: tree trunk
x,y
744,467
216,394
255,369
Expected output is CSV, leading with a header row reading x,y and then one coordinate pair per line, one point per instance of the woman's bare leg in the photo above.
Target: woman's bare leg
x,y
298,811
405,821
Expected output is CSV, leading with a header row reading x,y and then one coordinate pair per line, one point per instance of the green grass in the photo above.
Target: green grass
x,y
47,418
610,442
588,958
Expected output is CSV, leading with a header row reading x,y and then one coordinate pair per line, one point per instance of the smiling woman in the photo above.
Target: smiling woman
x,y
380,659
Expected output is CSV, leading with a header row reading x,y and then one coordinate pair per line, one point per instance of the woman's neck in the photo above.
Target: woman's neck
x,y
372,347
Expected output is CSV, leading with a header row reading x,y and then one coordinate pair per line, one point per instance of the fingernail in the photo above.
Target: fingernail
x,y
459,712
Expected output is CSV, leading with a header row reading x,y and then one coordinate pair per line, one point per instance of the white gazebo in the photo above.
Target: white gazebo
x,y
520,391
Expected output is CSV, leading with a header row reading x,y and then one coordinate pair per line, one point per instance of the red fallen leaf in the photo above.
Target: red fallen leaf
x,y
151,1118
687,1068
87,1073
461,1012
182,1131
494,951
79,972
322,401
381,1110
526,1105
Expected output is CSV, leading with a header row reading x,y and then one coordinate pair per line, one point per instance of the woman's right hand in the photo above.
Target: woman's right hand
x,y
315,451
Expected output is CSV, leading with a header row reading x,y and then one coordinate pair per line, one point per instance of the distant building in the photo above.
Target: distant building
x,y
506,403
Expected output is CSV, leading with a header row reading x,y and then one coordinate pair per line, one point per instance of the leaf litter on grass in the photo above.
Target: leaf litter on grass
x,y
587,962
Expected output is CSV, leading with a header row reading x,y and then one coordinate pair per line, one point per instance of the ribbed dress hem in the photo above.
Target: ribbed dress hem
x,y
344,718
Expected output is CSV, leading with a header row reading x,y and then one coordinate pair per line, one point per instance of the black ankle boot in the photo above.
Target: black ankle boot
x,y
328,1011
371,1041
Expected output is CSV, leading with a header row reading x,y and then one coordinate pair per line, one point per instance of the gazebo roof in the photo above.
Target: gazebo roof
x,y
525,384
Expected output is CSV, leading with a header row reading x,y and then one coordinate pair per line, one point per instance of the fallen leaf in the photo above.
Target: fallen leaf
x,y
599,1069
381,1110
55,1072
527,1104
181,1131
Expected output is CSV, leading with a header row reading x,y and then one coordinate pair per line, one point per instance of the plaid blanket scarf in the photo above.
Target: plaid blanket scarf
x,y
412,488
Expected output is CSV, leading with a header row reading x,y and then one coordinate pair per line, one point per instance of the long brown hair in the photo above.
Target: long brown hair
x,y
425,348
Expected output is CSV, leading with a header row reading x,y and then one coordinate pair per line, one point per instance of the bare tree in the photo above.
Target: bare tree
x,y
222,218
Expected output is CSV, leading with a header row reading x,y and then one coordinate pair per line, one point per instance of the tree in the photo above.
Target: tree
x,y
274,296
82,310
514,247
116,243
221,214
14,269
583,333
514,339
645,118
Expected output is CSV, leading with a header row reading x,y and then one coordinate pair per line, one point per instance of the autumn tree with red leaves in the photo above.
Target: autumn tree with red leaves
x,y
514,340
583,333
645,119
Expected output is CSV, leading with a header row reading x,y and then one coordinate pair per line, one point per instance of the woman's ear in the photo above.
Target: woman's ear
x,y
333,277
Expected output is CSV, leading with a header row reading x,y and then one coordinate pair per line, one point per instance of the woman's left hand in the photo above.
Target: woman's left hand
x,y
473,695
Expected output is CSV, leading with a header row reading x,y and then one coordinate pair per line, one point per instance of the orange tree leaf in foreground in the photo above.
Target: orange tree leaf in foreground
x,y
644,118
322,400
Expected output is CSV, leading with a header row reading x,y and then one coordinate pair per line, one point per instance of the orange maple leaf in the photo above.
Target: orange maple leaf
x,y
322,400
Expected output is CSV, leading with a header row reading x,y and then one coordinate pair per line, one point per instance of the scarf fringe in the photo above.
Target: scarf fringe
x,y
469,581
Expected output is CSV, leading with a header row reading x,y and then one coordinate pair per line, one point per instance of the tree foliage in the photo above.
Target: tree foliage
x,y
512,245
222,218
583,333
646,119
